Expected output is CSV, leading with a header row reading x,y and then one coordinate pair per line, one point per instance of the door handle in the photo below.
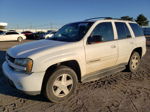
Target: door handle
x,y
113,46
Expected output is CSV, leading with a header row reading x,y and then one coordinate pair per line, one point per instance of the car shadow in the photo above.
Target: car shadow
x,y
7,90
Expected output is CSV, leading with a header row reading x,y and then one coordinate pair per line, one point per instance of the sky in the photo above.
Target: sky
x,y
55,13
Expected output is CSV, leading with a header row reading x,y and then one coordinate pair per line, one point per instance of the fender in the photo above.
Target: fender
x,y
58,57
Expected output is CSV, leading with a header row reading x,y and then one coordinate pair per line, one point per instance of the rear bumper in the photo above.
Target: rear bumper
x,y
28,83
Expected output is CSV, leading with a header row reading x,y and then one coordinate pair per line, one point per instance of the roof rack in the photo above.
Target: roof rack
x,y
96,18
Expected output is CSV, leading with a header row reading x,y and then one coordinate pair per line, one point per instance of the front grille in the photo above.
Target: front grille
x,y
11,59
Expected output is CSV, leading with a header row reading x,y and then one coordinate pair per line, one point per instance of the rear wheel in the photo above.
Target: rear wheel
x,y
20,39
134,62
61,84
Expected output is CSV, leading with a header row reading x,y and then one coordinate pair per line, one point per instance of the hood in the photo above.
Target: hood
x,y
27,49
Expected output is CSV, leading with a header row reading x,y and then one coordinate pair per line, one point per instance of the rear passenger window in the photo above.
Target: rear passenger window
x,y
104,30
122,30
136,29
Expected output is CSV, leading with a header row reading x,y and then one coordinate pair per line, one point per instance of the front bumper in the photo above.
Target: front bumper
x,y
28,83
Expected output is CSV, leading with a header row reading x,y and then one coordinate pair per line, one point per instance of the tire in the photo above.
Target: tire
x,y
20,39
134,62
61,84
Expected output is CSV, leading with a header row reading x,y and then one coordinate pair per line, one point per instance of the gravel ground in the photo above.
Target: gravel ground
x,y
122,92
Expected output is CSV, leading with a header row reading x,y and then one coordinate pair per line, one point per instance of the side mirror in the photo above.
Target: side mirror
x,y
95,39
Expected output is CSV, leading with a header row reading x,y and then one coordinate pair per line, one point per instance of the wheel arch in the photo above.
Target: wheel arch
x,y
139,50
19,37
73,64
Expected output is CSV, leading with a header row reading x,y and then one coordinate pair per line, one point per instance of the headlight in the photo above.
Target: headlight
x,y
27,63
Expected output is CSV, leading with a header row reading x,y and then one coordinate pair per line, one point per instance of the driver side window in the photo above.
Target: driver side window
x,y
104,31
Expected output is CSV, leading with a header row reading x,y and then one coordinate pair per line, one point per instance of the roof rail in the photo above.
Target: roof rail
x,y
96,18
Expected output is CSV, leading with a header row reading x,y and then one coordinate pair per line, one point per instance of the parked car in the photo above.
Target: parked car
x,y
48,34
78,52
2,32
27,33
146,31
12,36
36,35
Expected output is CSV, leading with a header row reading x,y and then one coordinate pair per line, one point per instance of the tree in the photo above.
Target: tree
x,y
142,20
127,18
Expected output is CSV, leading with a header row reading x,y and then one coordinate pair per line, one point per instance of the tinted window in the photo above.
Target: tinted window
x,y
146,31
26,32
122,30
104,30
10,33
2,32
136,29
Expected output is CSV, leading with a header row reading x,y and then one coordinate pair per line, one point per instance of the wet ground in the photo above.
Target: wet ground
x,y
121,92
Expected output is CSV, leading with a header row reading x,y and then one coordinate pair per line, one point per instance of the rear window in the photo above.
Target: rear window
x,y
146,31
136,29
122,30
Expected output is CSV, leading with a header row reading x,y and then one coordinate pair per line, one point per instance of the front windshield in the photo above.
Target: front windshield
x,y
72,32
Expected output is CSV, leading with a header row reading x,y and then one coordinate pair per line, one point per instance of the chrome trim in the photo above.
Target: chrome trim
x,y
93,61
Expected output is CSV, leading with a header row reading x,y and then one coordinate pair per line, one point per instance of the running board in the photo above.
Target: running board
x,y
102,73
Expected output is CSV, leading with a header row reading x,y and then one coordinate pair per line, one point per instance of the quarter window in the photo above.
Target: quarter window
x,y
136,29
104,30
146,31
122,30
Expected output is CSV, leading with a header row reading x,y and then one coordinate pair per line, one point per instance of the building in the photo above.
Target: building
x,y
3,25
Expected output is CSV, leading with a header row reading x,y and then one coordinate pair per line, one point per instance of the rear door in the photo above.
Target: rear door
x,y
101,54
125,42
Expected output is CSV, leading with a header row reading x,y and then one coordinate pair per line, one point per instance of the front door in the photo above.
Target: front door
x,y
101,53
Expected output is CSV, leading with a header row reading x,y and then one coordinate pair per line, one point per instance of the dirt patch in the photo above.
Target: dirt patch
x,y
122,92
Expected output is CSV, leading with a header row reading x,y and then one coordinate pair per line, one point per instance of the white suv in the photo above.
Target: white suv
x,y
78,52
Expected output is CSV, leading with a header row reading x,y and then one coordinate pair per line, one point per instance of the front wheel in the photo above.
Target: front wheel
x,y
61,84
134,62
20,39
